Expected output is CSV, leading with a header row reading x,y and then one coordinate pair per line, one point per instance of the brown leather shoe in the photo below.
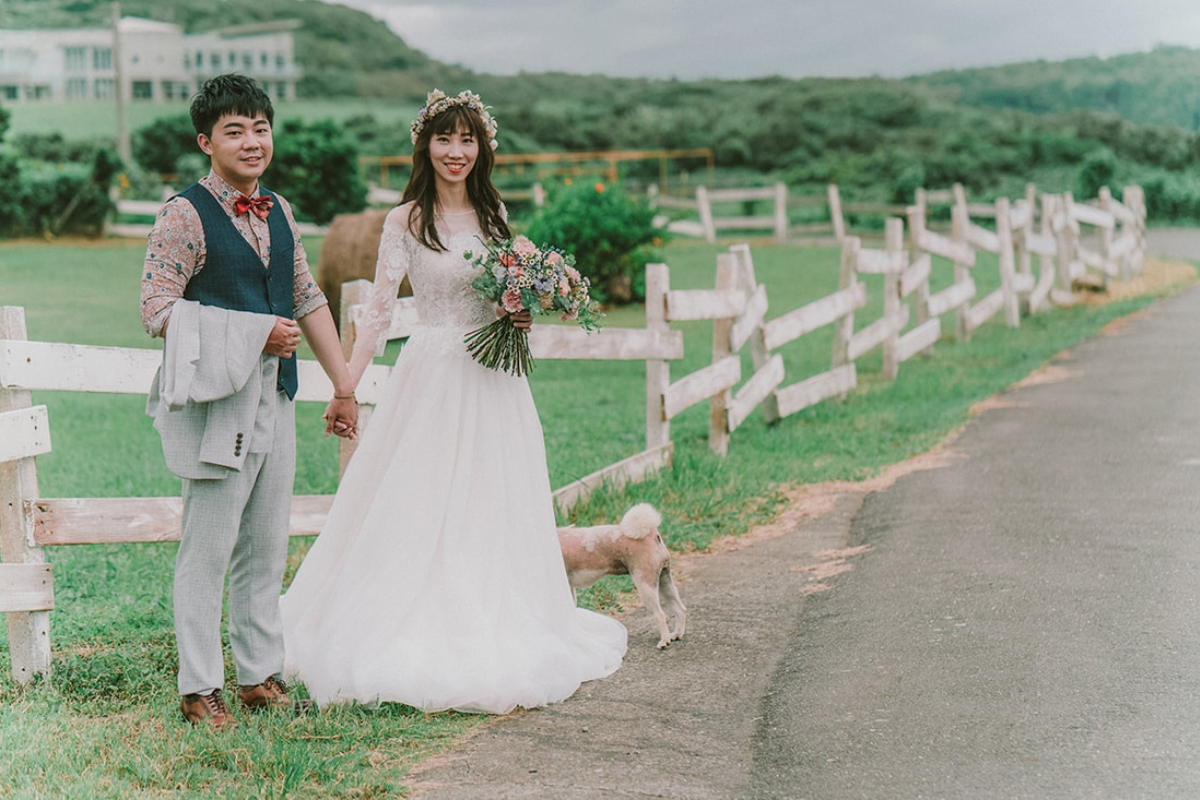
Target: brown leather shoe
x,y
270,694
207,709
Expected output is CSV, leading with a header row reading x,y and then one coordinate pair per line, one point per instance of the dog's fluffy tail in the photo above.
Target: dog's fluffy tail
x,y
640,521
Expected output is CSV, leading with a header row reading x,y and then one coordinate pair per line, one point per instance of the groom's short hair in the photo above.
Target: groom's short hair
x,y
230,93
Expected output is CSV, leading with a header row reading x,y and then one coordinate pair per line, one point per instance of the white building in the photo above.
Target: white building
x,y
159,61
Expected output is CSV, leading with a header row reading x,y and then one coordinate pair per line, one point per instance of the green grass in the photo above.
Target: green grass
x,y
86,120
107,726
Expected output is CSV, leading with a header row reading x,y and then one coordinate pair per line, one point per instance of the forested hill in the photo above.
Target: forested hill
x,y
1155,88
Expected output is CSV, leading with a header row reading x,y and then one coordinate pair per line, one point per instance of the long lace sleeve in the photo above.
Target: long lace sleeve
x,y
395,254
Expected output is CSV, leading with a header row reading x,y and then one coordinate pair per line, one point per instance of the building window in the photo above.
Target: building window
x,y
143,90
104,88
279,61
214,59
247,61
10,92
77,88
281,91
187,60
232,59
75,59
199,60
102,59
263,58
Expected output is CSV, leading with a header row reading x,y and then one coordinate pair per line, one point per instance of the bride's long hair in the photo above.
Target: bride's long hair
x,y
421,190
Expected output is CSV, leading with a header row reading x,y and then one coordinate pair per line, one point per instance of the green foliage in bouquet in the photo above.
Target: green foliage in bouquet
x,y
610,234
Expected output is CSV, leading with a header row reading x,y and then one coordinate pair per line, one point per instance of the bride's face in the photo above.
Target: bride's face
x,y
453,155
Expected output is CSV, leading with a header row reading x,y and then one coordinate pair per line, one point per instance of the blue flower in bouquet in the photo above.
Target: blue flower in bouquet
x,y
516,274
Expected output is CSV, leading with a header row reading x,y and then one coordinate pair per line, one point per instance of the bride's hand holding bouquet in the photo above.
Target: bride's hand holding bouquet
x,y
520,277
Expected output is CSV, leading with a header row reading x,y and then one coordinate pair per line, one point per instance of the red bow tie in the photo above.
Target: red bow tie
x,y
261,205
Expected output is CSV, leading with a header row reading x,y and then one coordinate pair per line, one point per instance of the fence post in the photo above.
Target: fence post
x,y
893,243
835,212
843,329
706,218
1008,268
959,222
759,354
781,212
28,631
1066,252
658,372
916,224
718,418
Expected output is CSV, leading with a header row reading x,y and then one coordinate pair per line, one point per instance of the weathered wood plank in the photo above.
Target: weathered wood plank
x,y
1020,215
609,344
874,334
916,274
754,391
828,309
1062,298
53,366
951,297
983,239
985,309
958,252
809,392
741,195
743,223
1041,245
1090,215
745,325
685,305
630,470
1023,282
24,432
112,520
879,262
879,209
26,587
919,338
701,385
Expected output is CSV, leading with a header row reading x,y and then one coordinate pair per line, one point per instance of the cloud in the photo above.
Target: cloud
x,y
716,38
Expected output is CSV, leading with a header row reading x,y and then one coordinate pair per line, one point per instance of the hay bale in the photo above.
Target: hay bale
x,y
349,252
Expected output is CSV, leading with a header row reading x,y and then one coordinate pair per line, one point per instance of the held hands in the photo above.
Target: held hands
x,y
284,338
522,320
341,417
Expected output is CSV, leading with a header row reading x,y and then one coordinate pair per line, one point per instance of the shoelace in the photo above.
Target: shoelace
x,y
215,703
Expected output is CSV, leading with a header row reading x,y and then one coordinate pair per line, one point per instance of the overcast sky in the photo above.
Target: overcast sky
x,y
691,39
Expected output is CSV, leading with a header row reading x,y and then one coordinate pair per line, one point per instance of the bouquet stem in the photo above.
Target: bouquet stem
x,y
499,345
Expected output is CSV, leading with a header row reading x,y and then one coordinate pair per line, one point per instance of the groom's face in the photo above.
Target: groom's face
x,y
240,148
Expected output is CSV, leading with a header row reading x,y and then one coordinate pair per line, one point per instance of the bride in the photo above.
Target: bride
x,y
437,580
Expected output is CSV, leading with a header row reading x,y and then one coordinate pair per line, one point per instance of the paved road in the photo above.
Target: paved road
x,y
1023,622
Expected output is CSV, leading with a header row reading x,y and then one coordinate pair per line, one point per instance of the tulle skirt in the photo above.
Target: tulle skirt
x,y
437,580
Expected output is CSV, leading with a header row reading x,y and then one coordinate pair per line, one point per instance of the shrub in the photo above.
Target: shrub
x,y
1098,169
316,168
609,233
66,198
158,146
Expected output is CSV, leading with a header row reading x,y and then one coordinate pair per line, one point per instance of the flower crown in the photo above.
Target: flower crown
x,y
438,101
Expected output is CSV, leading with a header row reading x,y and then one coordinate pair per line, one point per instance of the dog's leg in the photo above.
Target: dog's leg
x,y
647,586
669,596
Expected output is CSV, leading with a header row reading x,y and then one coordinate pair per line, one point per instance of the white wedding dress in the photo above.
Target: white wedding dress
x,y
437,580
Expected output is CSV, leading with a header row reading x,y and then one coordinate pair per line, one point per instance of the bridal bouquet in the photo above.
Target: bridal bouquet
x,y
519,275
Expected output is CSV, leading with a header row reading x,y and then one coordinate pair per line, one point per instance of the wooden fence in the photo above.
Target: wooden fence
x,y
737,305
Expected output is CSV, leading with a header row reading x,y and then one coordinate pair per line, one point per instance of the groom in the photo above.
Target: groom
x,y
226,282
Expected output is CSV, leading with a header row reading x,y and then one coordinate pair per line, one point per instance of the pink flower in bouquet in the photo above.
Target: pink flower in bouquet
x,y
506,259
564,288
553,259
511,300
573,274
568,316
523,247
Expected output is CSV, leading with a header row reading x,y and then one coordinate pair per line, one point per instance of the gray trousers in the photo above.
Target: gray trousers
x,y
236,525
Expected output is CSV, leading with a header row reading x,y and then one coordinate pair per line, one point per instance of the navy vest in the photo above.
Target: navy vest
x,y
233,276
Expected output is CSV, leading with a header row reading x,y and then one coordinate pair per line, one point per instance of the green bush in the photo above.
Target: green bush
x,y
159,146
609,233
316,168
63,198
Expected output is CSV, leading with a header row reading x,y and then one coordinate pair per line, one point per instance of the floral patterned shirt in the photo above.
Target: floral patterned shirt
x,y
175,252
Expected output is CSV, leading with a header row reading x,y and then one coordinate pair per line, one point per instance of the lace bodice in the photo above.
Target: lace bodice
x,y
441,281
